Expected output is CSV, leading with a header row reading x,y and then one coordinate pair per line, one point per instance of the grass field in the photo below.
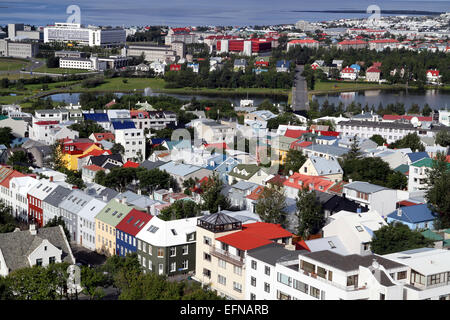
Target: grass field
x,y
59,70
10,64
337,86
117,84
228,91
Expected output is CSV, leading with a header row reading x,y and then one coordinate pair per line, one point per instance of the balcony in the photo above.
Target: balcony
x,y
225,255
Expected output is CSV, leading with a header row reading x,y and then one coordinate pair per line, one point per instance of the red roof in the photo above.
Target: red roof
x,y
384,41
405,117
13,174
78,146
373,69
277,180
352,42
96,153
327,133
313,182
130,164
46,123
104,136
303,41
406,203
134,221
111,103
348,70
94,167
135,114
300,144
434,73
254,235
218,145
291,133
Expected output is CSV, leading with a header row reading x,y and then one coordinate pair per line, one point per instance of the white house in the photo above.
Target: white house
x,y
349,73
19,188
87,223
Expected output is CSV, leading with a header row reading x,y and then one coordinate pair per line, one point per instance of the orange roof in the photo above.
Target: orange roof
x,y
254,235
256,194
130,164
337,188
318,183
104,136
94,167
13,174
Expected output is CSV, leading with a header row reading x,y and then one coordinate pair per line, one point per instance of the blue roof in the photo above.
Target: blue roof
x,y
415,156
356,66
18,141
97,117
157,140
413,214
124,124
329,138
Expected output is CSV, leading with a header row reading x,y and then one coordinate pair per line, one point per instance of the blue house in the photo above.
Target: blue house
x,y
127,230
415,217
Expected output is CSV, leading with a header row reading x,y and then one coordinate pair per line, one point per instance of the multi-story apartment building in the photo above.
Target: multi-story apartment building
x,y
86,217
151,52
418,174
36,196
127,230
155,120
221,251
18,49
105,225
213,132
51,203
326,275
69,209
133,140
168,247
391,131
19,188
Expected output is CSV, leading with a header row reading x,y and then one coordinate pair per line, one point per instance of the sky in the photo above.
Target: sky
x,y
197,12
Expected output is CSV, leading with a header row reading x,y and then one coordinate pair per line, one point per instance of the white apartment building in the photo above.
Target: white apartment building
x,y
213,132
19,188
326,275
92,63
418,174
18,49
428,275
87,223
444,117
151,52
374,197
133,140
88,36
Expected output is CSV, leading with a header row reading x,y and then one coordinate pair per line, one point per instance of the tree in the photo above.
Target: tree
x,y
309,212
57,162
212,197
92,281
411,140
74,178
379,140
438,193
271,205
6,136
443,138
397,180
397,237
426,111
58,221
155,179
86,128
180,209
7,221
294,160
355,151
118,149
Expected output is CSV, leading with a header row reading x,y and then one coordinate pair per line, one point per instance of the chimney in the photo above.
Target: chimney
x,y
124,200
105,198
399,212
51,178
358,210
74,187
33,230
148,209
139,192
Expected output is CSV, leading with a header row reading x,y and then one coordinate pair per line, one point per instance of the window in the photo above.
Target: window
x,y
252,296
382,296
185,250
149,249
185,264
173,251
207,273
39,262
51,260
284,279
253,281
173,267
206,256
267,270
321,272
207,241
303,287
254,265
359,229
160,253
366,246
314,292
352,280
283,296
401,275
222,263
237,270
266,287
222,280
330,275
237,286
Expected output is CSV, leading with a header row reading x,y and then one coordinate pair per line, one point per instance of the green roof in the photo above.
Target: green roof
x,y
251,169
432,235
447,230
403,168
426,162
113,212
446,243
3,117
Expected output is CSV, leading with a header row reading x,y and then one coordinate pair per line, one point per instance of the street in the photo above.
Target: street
x,y
299,91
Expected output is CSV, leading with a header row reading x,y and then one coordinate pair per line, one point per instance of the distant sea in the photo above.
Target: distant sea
x,y
201,12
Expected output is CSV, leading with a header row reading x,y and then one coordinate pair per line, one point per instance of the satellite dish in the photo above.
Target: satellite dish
x,y
415,121
375,264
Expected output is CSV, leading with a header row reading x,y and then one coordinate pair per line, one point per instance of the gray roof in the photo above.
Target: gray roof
x,y
365,187
75,201
393,125
270,253
218,219
16,246
244,185
350,262
325,166
149,165
55,197
331,150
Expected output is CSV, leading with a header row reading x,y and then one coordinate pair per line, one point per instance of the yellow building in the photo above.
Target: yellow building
x,y
105,225
282,145
72,151
321,167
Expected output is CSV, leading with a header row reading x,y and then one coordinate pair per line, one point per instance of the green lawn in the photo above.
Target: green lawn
x,y
59,70
228,91
10,99
10,64
117,85
336,86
